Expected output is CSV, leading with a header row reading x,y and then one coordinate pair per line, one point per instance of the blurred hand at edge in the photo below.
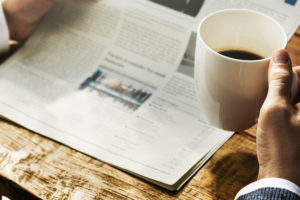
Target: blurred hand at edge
x,y
23,16
278,132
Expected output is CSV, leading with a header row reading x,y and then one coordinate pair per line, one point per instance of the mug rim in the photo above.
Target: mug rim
x,y
239,10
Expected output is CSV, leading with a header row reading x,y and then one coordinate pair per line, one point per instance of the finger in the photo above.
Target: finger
x,y
280,76
297,70
82,1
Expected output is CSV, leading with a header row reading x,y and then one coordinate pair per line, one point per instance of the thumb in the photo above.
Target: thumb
x,y
280,76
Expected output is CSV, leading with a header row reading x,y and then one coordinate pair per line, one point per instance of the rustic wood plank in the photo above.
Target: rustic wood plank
x,y
232,167
298,31
251,131
293,47
49,170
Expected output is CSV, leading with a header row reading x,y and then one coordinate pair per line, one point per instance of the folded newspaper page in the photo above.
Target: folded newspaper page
x,y
114,79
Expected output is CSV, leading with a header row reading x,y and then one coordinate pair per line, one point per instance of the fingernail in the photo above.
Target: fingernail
x,y
280,56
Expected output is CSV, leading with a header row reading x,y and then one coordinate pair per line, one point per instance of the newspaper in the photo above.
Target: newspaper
x,y
114,79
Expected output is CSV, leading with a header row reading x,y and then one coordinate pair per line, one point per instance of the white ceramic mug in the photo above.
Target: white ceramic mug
x,y
231,91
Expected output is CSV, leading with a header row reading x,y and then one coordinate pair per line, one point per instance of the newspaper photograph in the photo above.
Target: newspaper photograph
x,y
189,7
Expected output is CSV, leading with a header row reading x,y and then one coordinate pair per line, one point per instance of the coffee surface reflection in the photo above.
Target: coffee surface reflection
x,y
240,54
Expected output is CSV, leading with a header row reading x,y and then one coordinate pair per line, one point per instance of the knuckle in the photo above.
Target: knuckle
x,y
280,78
278,109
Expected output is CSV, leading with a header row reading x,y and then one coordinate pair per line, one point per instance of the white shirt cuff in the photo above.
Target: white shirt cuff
x,y
4,34
269,182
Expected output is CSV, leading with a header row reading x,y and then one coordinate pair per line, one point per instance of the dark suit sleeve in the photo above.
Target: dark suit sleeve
x,y
270,189
270,194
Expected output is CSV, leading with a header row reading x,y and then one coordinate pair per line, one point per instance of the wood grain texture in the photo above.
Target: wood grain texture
x,y
48,170
293,47
298,31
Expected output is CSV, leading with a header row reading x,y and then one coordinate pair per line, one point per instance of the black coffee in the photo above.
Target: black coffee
x,y
240,54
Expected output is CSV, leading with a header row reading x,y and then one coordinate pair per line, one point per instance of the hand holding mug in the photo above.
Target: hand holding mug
x,y
231,89
278,132
22,16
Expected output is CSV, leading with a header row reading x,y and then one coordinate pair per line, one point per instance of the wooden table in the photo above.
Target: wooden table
x,y
34,167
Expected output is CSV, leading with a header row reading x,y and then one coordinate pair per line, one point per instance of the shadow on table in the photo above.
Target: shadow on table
x,y
13,191
222,178
14,46
233,172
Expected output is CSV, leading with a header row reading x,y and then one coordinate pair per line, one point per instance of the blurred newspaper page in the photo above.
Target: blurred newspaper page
x,y
114,79
286,12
